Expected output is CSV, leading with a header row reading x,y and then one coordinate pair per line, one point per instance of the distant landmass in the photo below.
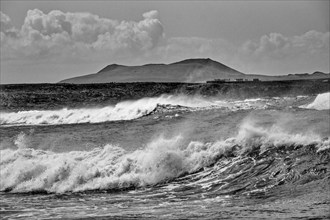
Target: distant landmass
x,y
190,70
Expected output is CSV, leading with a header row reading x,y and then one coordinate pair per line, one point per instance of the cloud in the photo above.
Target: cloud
x,y
85,35
277,46
275,53
5,22
6,27
78,34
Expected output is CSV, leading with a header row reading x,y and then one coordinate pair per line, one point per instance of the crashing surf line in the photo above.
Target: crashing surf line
x,y
163,160
129,110
321,102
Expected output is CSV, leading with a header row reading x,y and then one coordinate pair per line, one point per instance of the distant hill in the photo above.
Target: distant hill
x,y
190,70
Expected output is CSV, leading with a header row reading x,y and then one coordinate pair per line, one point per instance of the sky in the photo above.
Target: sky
x,y
47,41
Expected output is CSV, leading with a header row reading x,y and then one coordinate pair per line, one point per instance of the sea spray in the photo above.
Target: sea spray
x,y
126,110
129,110
111,167
321,102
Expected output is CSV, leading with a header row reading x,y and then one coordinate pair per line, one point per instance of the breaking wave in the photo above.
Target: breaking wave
x,y
264,150
321,102
126,110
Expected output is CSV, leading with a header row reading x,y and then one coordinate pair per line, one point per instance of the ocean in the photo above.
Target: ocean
x,y
168,157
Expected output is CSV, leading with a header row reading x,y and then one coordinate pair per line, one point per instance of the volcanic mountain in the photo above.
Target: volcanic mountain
x,y
190,70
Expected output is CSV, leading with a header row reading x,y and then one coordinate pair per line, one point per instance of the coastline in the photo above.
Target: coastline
x,y
55,96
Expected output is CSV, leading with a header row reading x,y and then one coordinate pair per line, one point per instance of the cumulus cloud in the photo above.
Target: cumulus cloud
x,y
87,35
277,46
6,27
5,22
72,34
275,53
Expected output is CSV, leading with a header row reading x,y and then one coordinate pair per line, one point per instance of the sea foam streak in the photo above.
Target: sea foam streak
x,y
126,110
111,167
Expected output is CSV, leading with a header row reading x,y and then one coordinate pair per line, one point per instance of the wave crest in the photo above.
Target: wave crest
x,y
129,110
126,110
321,102
111,167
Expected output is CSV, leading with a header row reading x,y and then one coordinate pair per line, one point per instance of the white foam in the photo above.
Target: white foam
x,y
321,102
111,167
126,110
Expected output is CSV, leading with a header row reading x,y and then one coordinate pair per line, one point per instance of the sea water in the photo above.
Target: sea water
x,y
168,157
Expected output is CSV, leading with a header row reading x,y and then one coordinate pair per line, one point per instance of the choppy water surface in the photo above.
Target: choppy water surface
x,y
169,158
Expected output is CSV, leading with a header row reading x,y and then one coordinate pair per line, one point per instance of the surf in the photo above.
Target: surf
x,y
162,161
126,110
134,109
321,102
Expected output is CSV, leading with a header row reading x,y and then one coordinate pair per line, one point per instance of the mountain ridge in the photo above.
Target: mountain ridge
x,y
190,70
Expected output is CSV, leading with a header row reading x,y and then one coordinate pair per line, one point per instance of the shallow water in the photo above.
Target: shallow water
x,y
184,158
